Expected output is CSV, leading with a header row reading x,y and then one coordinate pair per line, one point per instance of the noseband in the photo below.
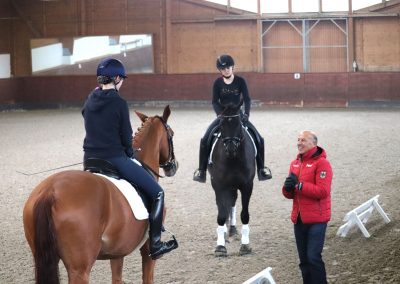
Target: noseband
x,y
234,140
170,163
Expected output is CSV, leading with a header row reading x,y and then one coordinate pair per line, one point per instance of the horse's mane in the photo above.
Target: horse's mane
x,y
141,132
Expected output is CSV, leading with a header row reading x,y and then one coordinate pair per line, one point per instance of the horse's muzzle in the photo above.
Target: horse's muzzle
x,y
171,168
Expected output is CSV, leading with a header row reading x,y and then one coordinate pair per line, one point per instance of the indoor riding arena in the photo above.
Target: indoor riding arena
x,y
335,71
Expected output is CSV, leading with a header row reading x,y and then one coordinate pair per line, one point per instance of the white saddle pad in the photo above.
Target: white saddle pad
x,y
133,198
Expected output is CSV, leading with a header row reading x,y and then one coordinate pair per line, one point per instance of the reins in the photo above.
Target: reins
x,y
171,154
236,140
230,116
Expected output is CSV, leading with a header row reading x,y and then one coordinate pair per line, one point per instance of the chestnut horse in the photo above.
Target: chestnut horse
x,y
78,217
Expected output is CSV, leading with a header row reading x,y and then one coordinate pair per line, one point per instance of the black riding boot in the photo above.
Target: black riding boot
x,y
200,174
263,172
157,247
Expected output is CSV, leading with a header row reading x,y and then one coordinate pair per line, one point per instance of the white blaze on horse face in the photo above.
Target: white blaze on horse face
x,y
245,235
221,230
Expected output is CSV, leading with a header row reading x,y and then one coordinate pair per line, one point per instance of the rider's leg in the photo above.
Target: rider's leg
x,y
157,247
263,172
200,174
148,185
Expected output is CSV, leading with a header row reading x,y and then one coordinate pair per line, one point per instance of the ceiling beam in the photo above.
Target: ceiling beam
x,y
21,15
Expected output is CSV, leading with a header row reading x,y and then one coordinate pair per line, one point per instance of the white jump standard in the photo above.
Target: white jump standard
x,y
359,216
263,277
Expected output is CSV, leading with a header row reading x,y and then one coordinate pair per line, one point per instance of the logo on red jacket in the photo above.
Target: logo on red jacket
x,y
322,174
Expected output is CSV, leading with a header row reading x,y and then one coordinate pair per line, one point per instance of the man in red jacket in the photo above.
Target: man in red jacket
x,y
309,185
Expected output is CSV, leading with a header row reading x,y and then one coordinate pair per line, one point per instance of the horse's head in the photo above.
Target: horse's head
x,y
164,137
230,124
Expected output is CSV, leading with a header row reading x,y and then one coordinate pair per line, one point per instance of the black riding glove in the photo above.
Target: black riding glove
x,y
132,153
129,152
245,119
290,182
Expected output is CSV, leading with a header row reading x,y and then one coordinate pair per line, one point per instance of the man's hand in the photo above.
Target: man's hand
x,y
290,182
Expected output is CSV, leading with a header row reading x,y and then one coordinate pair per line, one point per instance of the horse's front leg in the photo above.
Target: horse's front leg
x,y
224,200
116,270
245,218
232,217
148,264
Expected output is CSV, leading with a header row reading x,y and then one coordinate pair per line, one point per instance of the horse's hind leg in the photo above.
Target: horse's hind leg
x,y
148,264
245,218
116,270
79,251
78,267
78,273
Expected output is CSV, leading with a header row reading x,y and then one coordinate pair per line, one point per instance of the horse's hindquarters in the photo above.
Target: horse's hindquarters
x,y
91,217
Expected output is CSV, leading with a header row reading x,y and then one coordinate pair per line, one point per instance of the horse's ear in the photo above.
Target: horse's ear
x,y
142,116
167,112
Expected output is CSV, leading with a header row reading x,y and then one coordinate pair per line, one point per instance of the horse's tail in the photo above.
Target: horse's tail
x,y
45,242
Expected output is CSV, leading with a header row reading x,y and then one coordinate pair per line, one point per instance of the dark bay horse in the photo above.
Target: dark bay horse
x,y
232,169
78,217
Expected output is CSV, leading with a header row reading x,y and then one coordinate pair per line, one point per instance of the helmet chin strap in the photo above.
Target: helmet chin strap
x,y
116,83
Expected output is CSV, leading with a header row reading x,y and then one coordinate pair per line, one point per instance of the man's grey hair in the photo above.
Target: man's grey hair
x,y
312,134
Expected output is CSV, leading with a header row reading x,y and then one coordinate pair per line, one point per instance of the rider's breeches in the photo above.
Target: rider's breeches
x,y
210,129
203,152
137,175
259,144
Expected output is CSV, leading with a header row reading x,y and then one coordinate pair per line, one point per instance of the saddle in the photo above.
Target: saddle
x,y
215,135
100,166
104,167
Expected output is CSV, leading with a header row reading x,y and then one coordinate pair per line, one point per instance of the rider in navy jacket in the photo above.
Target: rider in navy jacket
x,y
109,137
107,124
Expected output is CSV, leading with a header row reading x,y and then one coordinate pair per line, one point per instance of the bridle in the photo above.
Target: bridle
x,y
234,140
170,163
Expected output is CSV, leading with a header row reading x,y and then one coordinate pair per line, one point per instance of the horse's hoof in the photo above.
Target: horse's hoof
x,y
233,231
245,249
220,251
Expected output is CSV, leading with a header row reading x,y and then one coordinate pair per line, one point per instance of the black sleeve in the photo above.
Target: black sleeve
x,y
126,130
246,97
215,100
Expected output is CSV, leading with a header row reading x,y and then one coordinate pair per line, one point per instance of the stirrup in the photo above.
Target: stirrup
x,y
264,174
200,176
165,247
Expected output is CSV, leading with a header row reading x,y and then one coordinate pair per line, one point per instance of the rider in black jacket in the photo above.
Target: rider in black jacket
x,y
230,89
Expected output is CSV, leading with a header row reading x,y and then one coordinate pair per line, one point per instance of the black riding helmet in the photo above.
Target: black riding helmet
x,y
225,61
108,69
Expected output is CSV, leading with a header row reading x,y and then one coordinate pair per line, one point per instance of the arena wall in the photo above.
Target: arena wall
x,y
189,34
187,37
310,90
